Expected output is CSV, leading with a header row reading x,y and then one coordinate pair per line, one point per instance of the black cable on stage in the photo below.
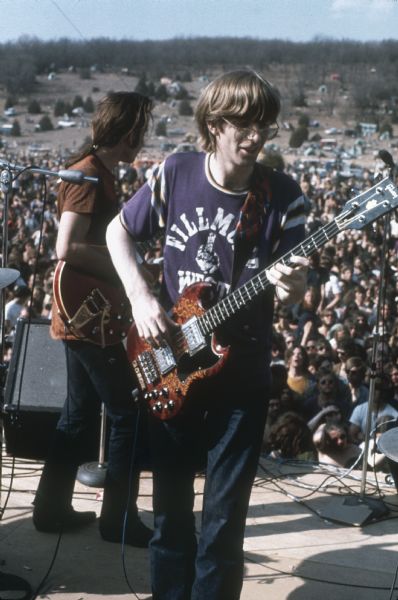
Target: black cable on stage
x,y
55,554
318,580
300,500
125,520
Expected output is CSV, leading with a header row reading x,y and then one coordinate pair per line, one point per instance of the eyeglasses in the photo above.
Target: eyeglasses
x,y
243,133
326,382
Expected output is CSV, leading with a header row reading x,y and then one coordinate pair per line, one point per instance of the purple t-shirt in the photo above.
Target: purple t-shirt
x,y
200,219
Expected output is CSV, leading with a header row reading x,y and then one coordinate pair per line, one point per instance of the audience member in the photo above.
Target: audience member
x,y
333,447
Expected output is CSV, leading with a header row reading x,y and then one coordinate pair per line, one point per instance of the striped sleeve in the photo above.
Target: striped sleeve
x,y
295,215
157,185
145,213
291,226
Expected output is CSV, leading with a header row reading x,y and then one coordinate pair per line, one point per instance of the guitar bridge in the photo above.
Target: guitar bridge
x,y
153,364
148,368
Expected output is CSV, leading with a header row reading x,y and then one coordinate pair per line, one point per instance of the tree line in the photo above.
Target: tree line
x,y
22,60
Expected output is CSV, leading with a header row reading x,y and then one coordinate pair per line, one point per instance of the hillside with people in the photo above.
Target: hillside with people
x,y
326,142
339,99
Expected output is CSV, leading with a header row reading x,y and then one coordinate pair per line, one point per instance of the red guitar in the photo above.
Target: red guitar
x,y
92,309
166,375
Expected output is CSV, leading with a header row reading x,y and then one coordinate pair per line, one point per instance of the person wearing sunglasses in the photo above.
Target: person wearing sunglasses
x,y
225,217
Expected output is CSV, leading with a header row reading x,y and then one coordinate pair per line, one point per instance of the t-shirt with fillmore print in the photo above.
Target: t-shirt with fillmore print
x,y
200,219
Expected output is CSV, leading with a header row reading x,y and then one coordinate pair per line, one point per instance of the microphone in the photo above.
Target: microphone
x,y
68,175
74,176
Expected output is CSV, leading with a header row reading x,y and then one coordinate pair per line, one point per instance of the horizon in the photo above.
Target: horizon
x,y
156,20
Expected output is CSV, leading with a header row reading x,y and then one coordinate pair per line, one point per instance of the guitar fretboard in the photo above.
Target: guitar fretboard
x,y
241,297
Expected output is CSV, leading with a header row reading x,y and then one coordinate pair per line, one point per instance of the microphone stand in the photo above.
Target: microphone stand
x,y
361,509
12,582
8,582
377,506
93,474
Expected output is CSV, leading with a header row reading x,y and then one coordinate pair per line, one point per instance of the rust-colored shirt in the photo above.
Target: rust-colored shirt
x,y
97,200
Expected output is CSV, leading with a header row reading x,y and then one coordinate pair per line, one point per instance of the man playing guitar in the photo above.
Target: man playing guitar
x,y
225,217
97,367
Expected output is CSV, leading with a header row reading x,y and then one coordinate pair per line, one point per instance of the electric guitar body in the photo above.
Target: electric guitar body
x,y
168,374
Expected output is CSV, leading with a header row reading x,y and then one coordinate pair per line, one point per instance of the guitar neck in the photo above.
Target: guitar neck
x,y
244,295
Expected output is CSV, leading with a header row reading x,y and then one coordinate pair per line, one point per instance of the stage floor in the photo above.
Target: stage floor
x,y
295,549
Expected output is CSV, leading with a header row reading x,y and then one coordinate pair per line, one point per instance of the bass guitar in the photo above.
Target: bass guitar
x,y
166,374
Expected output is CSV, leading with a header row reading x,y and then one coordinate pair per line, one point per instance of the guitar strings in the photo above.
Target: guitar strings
x,y
306,248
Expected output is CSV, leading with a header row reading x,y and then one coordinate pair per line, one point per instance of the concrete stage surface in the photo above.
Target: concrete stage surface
x,y
307,538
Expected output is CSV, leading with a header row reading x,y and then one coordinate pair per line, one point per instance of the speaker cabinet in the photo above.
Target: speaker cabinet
x,y
35,389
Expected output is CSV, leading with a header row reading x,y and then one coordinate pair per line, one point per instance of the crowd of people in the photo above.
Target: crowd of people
x,y
322,346
331,343
328,348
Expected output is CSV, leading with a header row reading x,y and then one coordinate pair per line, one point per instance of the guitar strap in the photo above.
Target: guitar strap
x,y
251,220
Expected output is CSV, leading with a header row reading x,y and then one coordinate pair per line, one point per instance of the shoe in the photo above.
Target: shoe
x,y
50,522
137,534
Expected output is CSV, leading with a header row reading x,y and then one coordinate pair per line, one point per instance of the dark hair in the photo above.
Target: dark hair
x,y
290,435
325,443
118,114
304,353
326,372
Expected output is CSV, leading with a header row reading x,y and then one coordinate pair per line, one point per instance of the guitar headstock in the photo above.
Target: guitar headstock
x,y
369,205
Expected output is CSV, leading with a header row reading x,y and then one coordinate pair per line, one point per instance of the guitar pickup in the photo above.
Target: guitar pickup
x,y
165,359
193,336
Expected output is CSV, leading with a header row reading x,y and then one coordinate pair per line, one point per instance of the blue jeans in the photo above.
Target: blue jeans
x,y
104,375
225,427
95,376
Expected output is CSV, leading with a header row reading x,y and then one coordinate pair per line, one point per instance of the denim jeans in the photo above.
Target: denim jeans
x,y
102,375
225,426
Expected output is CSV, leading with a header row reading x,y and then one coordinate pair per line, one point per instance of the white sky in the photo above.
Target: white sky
x,y
297,20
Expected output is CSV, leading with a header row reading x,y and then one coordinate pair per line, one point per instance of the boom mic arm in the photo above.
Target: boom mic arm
x,y
69,175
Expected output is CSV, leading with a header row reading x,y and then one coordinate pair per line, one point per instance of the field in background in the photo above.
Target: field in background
x,y
65,86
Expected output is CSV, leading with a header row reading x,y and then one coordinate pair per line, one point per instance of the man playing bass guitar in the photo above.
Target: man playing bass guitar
x,y
225,217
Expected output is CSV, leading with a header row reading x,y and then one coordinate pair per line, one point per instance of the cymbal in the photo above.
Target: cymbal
x,y
8,276
388,443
